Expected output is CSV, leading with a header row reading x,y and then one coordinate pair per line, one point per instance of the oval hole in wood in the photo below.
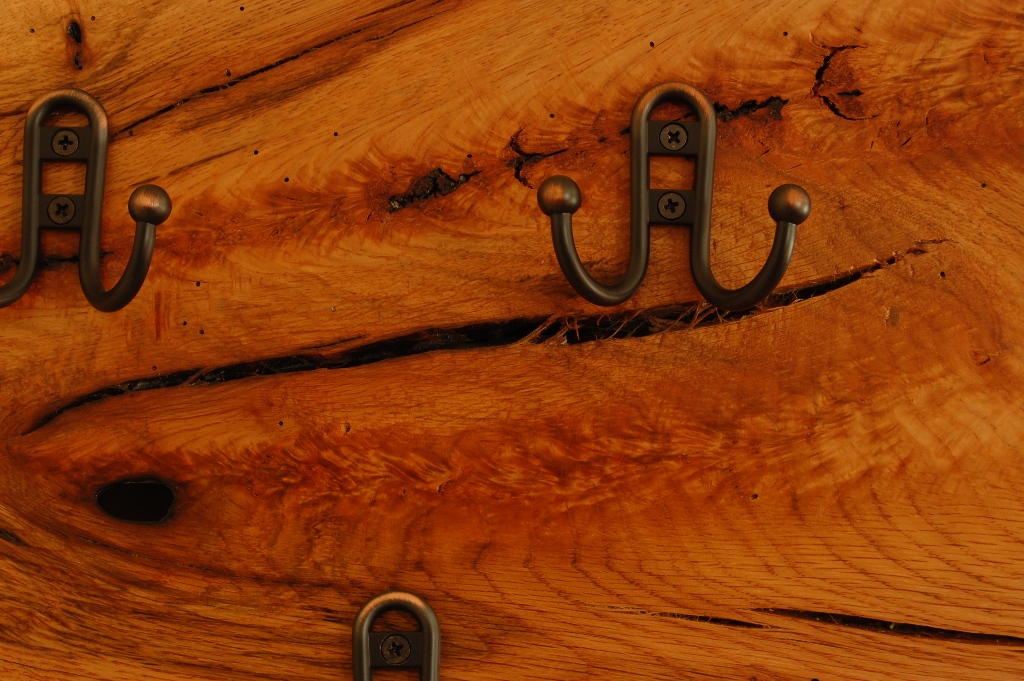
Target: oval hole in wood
x,y
140,500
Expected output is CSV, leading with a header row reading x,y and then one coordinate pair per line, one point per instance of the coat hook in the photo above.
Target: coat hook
x,y
148,205
393,649
559,197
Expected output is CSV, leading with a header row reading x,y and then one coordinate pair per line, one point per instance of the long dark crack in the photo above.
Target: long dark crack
x,y
435,183
819,80
263,69
772,104
568,330
525,158
703,619
9,262
896,628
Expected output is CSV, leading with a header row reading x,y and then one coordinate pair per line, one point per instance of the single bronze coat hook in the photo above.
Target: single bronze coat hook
x,y
396,649
560,197
148,205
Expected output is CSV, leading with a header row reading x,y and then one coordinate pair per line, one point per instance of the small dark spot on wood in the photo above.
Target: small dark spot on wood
x,y
201,332
551,115
851,93
241,9
131,133
75,31
31,30
286,179
335,134
78,60
92,18
184,323
198,284
652,43
754,496
280,423
469,155
785,33
983,185
227,72
942,275
154,367
139,500
255,152
347,427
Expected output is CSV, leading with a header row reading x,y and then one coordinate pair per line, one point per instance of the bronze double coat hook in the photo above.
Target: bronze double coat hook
x,y
559,197
148,205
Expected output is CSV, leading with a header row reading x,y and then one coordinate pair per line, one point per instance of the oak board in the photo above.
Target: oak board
x,y
358,364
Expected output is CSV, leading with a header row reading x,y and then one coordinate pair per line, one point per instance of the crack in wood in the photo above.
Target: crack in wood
x,y
9,262
567,330
435,183
525,158
703,619
773,104
280,62
9,536
819,80
896,628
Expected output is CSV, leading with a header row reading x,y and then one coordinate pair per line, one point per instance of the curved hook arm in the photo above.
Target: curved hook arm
x,y
29,261
30,189
149,205
788,205
559,197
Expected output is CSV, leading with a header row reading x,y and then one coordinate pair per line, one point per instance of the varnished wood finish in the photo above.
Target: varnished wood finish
x,y
370,376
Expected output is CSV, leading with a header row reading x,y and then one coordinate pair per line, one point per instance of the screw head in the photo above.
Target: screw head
x,y
673,137
61,210
395,649
65,142
671,206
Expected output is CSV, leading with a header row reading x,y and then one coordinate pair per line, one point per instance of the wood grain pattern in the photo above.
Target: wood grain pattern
x,y
373,374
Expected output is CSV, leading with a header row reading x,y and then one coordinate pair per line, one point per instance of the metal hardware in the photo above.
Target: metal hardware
x,y
396,650
148,205
559,197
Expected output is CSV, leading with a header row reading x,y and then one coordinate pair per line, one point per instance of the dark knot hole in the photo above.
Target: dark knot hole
x,y
141,500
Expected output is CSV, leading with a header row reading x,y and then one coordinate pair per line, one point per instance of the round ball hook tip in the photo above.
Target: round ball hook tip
x,y
789,203
559,194
149,203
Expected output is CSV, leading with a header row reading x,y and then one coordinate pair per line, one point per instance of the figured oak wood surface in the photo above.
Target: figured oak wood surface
x,y
357,362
